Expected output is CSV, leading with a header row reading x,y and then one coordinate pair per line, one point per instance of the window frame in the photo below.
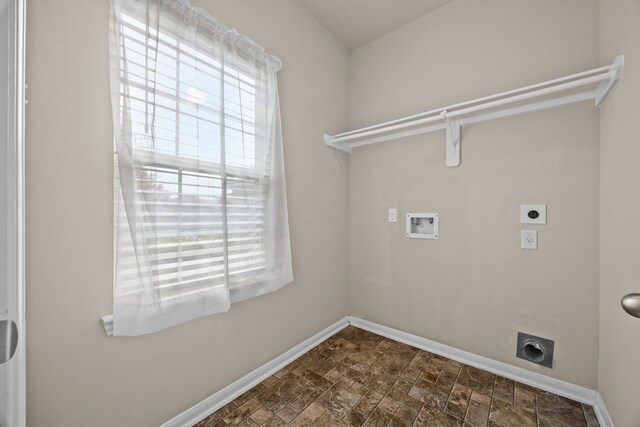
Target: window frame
x,y
184,165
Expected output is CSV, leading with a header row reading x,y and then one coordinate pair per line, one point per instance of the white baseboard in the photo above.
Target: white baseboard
x,y
230,392
602,413
227,394
559,387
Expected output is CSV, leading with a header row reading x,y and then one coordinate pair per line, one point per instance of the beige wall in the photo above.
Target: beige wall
x,y
474,288
77,376
619,372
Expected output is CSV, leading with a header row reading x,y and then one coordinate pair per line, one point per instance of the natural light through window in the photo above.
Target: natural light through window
x,y
197,210
185,145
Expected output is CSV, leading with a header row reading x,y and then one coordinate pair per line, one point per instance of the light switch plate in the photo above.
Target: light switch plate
x,y
393,215
533,214
529,239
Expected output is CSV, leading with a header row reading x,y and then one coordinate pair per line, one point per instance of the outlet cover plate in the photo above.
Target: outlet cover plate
x,y
533,214
529,239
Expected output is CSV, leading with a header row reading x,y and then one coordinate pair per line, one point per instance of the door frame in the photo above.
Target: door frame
x,y
15,214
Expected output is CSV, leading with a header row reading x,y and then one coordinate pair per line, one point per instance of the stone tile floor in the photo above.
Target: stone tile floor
x,y
357,378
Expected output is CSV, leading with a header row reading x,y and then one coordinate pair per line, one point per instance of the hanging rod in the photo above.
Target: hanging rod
x,y
452,117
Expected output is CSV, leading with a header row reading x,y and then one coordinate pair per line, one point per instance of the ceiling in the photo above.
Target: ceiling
x,y
356,22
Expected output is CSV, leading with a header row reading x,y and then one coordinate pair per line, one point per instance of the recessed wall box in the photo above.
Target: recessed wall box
x,y
422,225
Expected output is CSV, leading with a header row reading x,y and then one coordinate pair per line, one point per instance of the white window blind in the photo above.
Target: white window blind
x,y
201,208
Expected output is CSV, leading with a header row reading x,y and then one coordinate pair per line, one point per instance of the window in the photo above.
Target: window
x,y
201,209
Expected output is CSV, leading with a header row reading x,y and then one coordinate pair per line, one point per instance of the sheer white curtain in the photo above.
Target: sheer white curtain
x,y
201,217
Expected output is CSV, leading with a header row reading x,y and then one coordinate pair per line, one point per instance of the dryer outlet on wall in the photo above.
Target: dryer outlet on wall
x,y
533,214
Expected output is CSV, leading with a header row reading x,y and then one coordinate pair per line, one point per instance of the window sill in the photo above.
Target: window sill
x,y
107,323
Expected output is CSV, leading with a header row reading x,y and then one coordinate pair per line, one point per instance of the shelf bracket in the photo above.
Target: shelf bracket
x,y
339,145
606,86
453,144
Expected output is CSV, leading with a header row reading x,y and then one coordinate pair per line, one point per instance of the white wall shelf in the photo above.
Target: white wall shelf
x,y
588,85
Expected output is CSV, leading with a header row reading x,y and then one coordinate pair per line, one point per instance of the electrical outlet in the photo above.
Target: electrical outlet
x,y
533,214
393,215
529,239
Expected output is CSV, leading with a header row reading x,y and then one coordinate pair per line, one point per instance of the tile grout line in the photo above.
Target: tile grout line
x,y
387,392
363,394
415,381
468,401
360,397
376,407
